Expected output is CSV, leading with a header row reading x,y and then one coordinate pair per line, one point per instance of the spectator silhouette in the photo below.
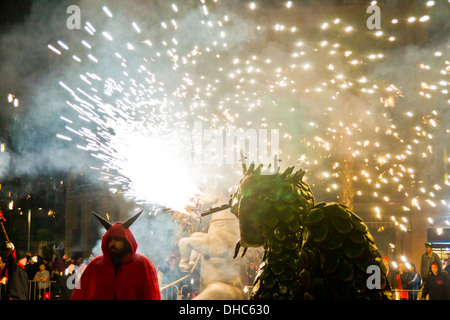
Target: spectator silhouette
x,y
428,258
414,282
436,285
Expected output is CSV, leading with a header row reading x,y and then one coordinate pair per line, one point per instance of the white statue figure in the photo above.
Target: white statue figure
x,y
220,274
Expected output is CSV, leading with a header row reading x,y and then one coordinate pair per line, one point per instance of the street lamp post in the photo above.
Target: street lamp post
x,y
29,230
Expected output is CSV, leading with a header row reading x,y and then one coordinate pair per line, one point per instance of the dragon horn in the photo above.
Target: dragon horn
x,y
130,221
104,222
243,253
236,249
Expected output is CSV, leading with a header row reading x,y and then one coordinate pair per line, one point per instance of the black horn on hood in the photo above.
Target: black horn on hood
x,y
130,221
104,222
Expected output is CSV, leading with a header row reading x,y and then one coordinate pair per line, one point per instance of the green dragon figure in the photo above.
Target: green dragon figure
x,y
311,251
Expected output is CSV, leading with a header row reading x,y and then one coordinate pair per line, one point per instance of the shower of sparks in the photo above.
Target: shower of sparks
x,y
143,84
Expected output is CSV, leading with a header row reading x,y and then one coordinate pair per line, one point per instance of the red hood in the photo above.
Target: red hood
x,y
118,230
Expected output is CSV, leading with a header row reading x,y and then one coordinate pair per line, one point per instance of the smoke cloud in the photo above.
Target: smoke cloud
x,y
5,160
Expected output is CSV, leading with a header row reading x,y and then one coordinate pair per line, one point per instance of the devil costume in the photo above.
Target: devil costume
x,y
134,279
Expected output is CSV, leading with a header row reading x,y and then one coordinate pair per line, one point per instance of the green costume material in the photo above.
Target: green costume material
x,y
312,251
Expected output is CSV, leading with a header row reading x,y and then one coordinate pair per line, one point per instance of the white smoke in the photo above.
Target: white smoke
x,y
5,161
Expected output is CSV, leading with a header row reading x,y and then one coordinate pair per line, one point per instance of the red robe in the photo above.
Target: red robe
x,y
135,280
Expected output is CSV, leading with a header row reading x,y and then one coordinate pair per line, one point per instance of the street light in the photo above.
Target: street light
x,y
29,230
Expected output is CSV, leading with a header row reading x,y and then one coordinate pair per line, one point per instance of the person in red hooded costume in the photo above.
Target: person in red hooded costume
x,y
120,273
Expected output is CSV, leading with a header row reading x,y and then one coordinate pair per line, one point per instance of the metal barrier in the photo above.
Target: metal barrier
x,y
44,290
181,292
40,290
410,294
37,290
171,292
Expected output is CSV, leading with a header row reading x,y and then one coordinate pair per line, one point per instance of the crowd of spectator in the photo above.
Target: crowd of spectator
x,y
47,278
431,281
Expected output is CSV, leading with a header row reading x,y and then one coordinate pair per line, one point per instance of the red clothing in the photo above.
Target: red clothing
x,y
403,294
136,279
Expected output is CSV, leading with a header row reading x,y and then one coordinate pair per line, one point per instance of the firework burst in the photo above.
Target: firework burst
x,y
348,111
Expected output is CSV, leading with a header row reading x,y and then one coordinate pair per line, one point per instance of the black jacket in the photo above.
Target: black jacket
x,y
17,287
437,286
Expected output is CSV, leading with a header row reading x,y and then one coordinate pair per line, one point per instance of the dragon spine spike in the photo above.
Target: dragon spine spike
x,y
288,171
251,168
259,168
278,170
299,175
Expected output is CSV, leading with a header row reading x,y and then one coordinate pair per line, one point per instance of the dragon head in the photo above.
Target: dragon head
x,y
261,200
